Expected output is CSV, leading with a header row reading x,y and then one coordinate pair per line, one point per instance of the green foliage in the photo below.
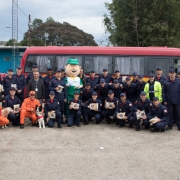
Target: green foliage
x,y
59,34
143,23
11,42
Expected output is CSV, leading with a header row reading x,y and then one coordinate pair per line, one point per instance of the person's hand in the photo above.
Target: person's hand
x,y
143,117
43,100
2,96
121,86
125,117
19,91
88,107
70,107
65,100
165,103
56,88
138,111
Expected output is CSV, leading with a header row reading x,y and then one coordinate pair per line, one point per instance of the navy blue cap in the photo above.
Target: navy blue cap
x,y
110,92
128,78
102,81
151,75
122,94
155,99
10,69
116,81
58,70
19,67
140,76
34,66
134,74
87,84
12,88
105,70
171,70
159,68
142,93
52,93
92,71
94,93
76,92
49,69
62,69
117,71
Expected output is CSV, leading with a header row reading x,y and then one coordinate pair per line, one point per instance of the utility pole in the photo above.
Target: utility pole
x,y
15,49
29,30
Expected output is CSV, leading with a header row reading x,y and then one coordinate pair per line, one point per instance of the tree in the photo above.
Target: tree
x,y
59,34
11,42
50,19
36,23
143,23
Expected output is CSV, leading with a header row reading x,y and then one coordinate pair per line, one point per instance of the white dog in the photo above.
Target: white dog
x,y
5,112
40,115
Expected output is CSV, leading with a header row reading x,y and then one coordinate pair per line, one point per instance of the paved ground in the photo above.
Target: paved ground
x,y
74,153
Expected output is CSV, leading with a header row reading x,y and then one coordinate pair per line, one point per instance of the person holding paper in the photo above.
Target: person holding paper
x,y
10,101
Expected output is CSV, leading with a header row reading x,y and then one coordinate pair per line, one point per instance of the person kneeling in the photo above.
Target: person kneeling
x,y
52,111
74,111
28,109
159,116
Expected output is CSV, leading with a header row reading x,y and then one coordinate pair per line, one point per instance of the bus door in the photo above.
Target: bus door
x,y
176,64
154,62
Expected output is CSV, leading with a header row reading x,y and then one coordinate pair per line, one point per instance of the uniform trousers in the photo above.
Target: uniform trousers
x,y
51,121
74,117
26,114
3,121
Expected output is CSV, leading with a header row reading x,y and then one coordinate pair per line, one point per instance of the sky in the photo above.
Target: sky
x,y
84,14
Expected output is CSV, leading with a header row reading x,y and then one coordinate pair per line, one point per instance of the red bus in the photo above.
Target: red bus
x,y
141,60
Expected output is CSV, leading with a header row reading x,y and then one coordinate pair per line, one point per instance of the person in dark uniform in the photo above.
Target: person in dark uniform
x,y
160,112
63,76
9,101
159,77
135,78
61,96
52,104
91,110
117,77
124,106
178,74
82,77
142,104
86,95
171,98
117,88
30,75
102,90
105,76
8,82
92,80
2,89
140,86
109,110
130,89
47,80
74,111
21,83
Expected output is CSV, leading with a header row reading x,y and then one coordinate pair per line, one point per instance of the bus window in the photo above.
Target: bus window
x,y
43,62
61,61
128,65
154,62
29,63
177,65
97,63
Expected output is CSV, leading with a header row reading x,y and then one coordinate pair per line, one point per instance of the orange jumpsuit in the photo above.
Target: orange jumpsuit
x,y
3,120
26,107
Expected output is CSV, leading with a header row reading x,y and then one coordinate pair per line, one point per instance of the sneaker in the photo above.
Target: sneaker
x,y
78,125
21,126
154,130
169,128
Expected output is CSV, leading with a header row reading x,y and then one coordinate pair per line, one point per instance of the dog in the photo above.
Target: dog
x,y
5,112
40,116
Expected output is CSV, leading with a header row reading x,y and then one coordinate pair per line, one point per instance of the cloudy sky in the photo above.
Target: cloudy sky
x,y
86,15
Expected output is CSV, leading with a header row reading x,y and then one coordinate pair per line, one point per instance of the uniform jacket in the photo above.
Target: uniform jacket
x,y
171,91
117,91
162,80
131,91
60,96
28,104
78,102
7,84
140,87
126,107
107,79
51,106
9,102
114,100
157,90
92,81
102,91
21,82
91,101
86,95
30,76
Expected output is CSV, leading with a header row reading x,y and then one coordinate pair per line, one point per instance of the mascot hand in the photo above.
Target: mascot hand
x,y
68,84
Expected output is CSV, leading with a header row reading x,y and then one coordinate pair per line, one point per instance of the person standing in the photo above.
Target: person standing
x,y
36,84
47,80
135,78
153,88
118,77
105,76
140,86
159,77
92,80
171,98
8,82
21,83
82,77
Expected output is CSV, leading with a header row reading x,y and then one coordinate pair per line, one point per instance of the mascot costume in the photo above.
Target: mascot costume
x,y
73,82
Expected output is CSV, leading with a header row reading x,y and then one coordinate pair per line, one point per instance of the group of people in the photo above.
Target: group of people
x,y
102,97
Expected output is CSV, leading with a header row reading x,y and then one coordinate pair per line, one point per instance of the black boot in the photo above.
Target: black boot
x,y
21,126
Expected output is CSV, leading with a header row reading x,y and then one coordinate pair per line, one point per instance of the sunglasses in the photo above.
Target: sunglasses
x,y
32,94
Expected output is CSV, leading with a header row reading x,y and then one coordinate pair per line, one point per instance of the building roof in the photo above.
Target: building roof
x,y
10,47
